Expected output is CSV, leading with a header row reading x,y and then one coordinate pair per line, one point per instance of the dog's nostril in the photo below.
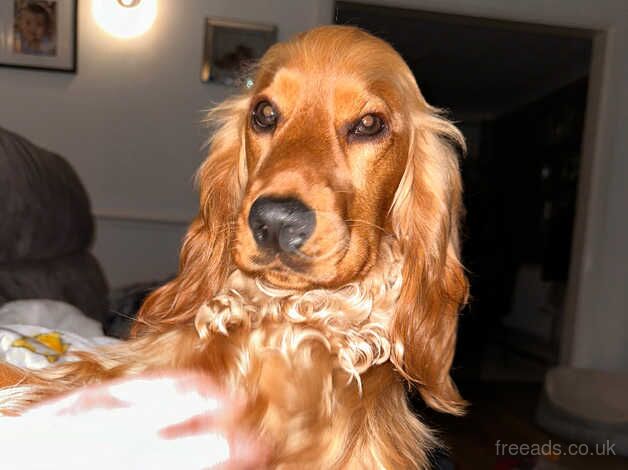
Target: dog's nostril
x,y
291,238
281,224
260,232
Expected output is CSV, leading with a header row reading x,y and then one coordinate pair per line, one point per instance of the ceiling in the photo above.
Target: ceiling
x,y
477,68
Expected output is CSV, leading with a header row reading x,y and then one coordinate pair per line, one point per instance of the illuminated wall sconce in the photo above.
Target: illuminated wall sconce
x,y
125,18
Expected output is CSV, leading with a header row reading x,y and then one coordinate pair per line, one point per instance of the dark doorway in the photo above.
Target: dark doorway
x,y
518,93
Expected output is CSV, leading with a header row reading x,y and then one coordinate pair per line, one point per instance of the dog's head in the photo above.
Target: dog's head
x,y
332,148
326,145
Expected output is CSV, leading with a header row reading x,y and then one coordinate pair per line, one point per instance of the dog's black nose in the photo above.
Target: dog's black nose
x,y
281,224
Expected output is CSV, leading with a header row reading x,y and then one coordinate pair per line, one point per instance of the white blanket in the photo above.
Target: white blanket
x,y
37,333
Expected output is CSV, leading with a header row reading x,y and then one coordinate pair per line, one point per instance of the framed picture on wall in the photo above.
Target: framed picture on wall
x,y
38,34
231,47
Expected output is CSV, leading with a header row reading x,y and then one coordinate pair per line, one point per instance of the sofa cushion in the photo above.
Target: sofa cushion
x,y
75,279
44,209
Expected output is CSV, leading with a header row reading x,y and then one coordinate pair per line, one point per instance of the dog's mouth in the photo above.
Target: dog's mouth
x,y
291,270
281,262
313,265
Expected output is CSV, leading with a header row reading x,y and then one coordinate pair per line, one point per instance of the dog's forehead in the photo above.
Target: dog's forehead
x,y
286,84
344,93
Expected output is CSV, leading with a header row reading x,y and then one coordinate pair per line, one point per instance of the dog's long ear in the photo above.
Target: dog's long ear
x,y
205,259
425,216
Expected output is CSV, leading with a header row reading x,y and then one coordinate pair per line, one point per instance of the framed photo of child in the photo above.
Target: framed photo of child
x,y
39,34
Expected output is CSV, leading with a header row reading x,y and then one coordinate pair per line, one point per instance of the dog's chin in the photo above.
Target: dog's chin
x,y
272,273
281,276
285,280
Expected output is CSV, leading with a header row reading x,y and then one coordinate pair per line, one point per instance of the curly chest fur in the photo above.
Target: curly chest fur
x,y
315,370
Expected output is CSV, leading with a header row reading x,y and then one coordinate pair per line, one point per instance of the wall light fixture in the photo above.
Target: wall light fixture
x,y
125,18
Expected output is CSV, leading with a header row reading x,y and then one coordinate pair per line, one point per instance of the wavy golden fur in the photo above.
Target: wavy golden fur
x,y
323,340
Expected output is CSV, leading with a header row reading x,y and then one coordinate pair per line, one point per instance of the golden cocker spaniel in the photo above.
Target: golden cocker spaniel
x,y
321,276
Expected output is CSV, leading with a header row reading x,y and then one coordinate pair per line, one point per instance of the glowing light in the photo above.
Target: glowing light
x,y
129,3
125,18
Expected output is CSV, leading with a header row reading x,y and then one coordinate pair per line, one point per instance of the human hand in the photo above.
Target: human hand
x,y
178,421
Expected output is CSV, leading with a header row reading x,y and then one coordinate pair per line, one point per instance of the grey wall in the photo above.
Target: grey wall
x,y
130,123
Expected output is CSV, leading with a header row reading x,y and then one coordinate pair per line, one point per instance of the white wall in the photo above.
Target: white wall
x,y
129,123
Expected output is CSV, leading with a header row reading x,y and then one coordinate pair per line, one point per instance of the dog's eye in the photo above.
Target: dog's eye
x,y
369,125
264,117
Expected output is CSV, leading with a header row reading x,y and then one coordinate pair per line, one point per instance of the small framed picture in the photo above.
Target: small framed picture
x,y
38,34
231,47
